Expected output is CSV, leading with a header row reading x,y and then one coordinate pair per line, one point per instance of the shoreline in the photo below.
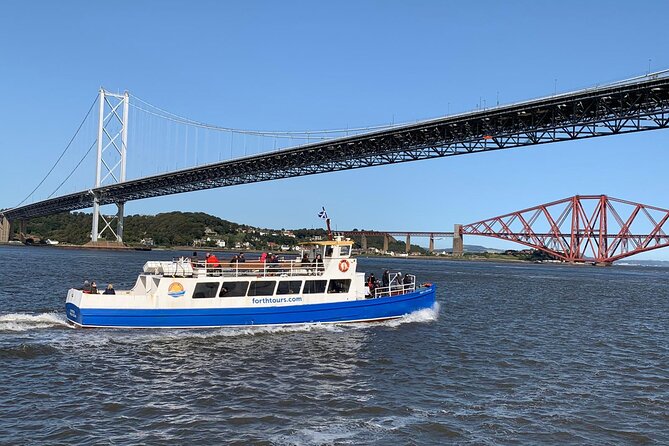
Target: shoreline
x,y
465,258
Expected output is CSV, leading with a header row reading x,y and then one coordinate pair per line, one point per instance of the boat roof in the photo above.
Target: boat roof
x,y
328,242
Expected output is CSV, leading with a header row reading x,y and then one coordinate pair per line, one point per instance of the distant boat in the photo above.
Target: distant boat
x,y
185,293
52,242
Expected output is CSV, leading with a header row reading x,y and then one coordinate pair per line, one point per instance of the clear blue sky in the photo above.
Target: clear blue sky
x,y
315,65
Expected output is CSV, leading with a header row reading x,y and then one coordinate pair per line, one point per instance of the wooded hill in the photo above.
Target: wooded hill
x,y
181,229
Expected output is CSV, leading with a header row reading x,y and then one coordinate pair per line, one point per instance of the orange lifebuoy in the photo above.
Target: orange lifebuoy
x,y
343,266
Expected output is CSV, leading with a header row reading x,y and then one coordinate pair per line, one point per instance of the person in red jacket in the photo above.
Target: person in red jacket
x,y
212,263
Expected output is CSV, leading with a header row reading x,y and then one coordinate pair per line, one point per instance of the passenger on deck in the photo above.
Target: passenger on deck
x,y
234,260
213,264
371,284
407,280
110,289
193,258
241,258
318,263
87,287
385,278
94,288
263,257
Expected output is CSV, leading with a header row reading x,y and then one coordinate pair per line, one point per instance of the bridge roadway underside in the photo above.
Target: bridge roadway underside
x,y
630,106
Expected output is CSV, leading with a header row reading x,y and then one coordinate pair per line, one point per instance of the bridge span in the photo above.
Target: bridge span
x,y
633,105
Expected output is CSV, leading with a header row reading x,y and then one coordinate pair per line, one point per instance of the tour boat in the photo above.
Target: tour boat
x,y
185,293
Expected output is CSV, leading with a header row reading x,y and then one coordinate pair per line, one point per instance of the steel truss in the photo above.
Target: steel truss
x,y
593,228
632,106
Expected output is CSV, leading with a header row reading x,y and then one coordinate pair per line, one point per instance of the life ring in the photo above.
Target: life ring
x,y
343,266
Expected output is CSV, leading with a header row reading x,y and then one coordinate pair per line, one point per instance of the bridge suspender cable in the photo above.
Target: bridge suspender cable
x,y
161,113
61,156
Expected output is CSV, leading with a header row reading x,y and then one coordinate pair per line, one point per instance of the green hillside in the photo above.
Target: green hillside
x,y
182,229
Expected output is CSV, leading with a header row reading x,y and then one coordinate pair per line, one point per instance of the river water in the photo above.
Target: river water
x,y
515,354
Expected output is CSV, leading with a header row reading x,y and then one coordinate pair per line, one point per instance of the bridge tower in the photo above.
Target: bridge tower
x,y
112,145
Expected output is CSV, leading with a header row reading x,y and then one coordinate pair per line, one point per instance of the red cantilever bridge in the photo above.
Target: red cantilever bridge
x,y
581,229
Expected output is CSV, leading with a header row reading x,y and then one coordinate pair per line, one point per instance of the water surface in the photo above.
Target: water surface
x,y
515,354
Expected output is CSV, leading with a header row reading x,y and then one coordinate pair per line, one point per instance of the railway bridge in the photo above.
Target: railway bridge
x,y
580,229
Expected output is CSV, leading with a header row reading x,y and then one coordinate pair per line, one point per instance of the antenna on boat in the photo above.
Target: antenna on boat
x,y
324,215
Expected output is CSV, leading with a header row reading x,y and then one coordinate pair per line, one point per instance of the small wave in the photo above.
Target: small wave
x,y
26,321
269,329
26,351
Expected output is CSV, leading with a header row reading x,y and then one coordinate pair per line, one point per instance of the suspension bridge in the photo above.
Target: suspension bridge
x,y
197,155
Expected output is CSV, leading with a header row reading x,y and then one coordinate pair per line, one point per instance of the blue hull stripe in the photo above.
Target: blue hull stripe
x,y
350,311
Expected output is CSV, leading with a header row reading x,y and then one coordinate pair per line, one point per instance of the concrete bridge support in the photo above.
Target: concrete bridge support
x,y
23,230
431,248
363,243
385,242
5,229
408,243
458,245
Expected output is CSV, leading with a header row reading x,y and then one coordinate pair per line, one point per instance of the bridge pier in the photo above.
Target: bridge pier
x,y
431,248
363,243
458,245
23,230
5,229
408,244
385,242
119,222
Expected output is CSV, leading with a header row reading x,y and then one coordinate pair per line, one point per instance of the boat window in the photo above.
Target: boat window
x,y
205,290
344,251
339,286
262,288
234,289
289,287
314,286
328,251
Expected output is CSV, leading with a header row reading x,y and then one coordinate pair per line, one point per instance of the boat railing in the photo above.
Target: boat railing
x,y
395,289
187,268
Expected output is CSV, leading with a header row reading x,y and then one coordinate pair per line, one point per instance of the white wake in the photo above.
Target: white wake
x,y
26,321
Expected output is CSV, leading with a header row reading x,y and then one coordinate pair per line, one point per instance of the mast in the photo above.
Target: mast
x,y
327,222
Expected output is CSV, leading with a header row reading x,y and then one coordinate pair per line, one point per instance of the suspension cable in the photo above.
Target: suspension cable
x,y
61,155
291,134
75,168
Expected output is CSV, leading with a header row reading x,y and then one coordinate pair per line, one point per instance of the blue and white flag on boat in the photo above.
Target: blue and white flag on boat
x,y
322,214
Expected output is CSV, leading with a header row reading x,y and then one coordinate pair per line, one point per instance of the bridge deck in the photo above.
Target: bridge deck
x,y
635,105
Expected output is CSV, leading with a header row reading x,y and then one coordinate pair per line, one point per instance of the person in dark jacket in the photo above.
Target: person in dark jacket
x,y
385,278
109,289
371,284
94,287
318,263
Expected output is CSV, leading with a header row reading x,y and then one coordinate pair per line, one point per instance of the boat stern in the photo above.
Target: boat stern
x,y
72,307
